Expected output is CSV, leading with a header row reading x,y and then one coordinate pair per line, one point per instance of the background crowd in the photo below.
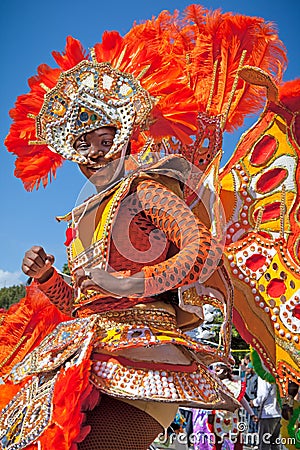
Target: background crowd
x,y
261,423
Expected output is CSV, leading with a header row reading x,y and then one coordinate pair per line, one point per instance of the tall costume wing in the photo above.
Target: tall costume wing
x,y
211,48
260,194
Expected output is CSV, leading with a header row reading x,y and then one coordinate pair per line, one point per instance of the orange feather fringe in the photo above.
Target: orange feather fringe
x,y
25,325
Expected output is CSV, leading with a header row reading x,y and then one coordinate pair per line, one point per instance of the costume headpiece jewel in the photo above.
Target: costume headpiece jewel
x,y
89,96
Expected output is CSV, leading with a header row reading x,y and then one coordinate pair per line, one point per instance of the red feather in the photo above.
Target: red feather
x,y
74,53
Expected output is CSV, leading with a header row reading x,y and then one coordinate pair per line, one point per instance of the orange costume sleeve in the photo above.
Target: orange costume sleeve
x,y
198,253
59,292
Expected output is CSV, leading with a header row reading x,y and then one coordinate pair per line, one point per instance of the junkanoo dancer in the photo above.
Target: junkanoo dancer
x,y
104,362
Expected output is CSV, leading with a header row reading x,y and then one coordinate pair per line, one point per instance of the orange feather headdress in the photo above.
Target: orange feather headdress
x,y
175,67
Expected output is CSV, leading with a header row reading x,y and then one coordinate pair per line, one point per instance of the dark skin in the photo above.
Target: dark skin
x,y
287,411
95,146
100,171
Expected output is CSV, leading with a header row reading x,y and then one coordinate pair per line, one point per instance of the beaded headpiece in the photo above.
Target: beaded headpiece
x,y
89,96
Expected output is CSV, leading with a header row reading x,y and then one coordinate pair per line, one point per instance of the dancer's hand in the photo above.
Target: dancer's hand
x,y
37,264
101,281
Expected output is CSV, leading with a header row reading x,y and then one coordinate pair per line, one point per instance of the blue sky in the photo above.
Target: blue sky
x,y
29,31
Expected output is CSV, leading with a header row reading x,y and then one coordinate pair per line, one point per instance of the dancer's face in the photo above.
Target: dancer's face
x,y
94,146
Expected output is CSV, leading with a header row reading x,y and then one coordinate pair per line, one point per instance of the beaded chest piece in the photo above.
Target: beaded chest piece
x,y
96,255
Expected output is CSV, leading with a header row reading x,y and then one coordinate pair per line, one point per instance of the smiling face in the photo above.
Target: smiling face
x,y
94,146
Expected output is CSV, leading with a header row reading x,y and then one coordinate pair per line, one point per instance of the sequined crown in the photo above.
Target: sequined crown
x,y
89,96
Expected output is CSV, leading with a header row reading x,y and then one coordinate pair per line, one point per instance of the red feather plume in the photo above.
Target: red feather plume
x,y
36,163
216,44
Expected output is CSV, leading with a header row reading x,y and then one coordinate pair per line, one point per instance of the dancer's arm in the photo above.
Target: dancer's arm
x,y
198,254
39,266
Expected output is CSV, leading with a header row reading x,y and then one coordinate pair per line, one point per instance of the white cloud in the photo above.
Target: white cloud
x,y
10,278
